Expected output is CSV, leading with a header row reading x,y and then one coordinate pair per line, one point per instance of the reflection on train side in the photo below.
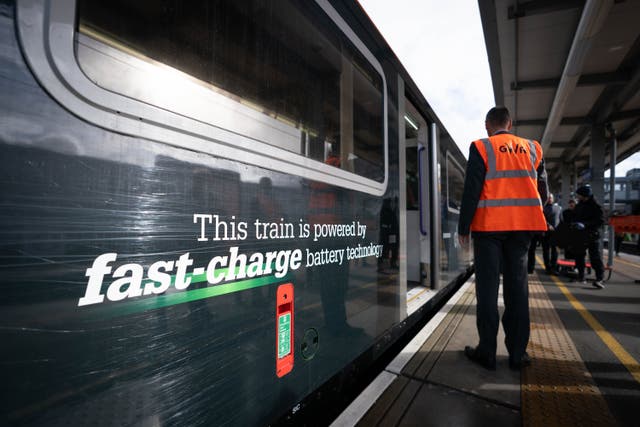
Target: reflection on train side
x,y
167,167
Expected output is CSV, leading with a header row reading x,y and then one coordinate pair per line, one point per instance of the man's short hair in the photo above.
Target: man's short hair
x,y
498,116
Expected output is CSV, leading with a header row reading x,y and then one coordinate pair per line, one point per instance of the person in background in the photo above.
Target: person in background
x,y
618,239
536,239
587,219
562,235
389,230
567,214
552,213
327,205
505,182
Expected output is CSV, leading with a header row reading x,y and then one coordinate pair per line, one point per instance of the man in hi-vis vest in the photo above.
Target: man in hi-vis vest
x,y
504,184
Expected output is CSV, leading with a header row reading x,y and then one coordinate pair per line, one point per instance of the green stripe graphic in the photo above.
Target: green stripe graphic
x,y
150,302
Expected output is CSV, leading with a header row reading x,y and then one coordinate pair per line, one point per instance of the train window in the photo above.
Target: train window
x,y
411,158
277,71
455,184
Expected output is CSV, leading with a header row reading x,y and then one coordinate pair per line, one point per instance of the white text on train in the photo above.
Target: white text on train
x,y
129,277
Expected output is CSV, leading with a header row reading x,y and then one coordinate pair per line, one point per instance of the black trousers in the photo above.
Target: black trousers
x,y
549,252
493,252
593,246
531,264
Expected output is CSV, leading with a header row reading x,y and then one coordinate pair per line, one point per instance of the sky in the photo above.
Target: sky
x,y
441,45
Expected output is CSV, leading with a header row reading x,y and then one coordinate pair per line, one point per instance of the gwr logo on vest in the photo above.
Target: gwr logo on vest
x,y
508,148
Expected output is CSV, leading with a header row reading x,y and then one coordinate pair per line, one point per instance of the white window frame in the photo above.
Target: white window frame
x,y
48,37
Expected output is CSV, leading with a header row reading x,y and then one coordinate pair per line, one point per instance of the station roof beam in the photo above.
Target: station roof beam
x,y
563,67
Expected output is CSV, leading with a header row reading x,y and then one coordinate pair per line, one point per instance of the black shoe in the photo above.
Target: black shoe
x,y
598,284
485,362
524,361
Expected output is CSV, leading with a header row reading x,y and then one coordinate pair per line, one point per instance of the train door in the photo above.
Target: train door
x,y
415,146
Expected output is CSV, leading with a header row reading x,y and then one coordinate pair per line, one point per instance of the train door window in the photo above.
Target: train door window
x,y
453,257
455,184
415,231
279,72
412,184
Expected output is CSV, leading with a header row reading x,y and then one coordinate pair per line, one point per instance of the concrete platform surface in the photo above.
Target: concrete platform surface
x,y
585,345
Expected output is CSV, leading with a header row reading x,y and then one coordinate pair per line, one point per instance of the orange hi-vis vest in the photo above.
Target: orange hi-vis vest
x,y
323,201
509,200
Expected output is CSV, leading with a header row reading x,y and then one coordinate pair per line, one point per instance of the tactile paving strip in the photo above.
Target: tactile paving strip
x,y
557,389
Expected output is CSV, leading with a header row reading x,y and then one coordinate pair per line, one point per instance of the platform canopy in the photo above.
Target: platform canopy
x,y
564,68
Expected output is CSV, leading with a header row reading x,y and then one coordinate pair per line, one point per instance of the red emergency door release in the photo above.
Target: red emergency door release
x,y
284,329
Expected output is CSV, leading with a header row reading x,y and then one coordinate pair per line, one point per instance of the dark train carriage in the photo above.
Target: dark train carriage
x,y
213,213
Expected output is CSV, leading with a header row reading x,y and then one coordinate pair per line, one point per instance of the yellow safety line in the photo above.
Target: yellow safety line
x,y
625,358
632,264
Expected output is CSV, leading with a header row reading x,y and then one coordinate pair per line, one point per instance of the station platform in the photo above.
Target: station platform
x,y
585,346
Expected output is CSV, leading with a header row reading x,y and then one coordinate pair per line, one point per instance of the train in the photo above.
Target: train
x,y
213,213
